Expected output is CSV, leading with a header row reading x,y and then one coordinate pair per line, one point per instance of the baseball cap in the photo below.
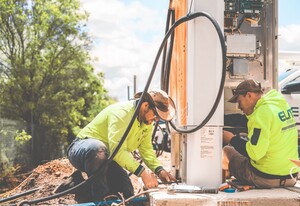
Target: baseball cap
x,y
163,104
248,85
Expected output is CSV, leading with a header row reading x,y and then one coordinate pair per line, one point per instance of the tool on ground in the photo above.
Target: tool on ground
x,y
230,190
224,186
168,183
177,188
240,188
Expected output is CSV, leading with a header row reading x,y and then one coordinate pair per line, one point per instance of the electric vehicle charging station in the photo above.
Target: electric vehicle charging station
x,y
250,32
203,147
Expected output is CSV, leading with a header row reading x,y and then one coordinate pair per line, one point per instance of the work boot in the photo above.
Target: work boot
x,y
70,182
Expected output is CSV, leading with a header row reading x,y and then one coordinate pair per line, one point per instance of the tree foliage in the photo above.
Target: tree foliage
x,y
46,76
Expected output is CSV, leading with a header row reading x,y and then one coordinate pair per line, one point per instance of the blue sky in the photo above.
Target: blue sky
x,y
288,12
127,35
289,25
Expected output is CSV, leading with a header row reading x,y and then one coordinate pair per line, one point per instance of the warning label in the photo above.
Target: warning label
x,y
207,144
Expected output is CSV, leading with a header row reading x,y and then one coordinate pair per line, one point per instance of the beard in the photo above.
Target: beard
x,y
147,122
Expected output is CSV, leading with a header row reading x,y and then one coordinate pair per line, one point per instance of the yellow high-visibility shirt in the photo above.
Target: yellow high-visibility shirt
x,y
109,126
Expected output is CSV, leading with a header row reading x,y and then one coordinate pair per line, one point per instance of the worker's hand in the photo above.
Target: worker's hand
x,y
165,176
227,136
149,179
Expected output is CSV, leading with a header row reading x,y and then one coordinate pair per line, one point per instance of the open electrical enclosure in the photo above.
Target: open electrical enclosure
x,y
250,29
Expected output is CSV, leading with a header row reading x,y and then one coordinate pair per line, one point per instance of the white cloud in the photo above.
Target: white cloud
x,y
126,38
289,38
128,35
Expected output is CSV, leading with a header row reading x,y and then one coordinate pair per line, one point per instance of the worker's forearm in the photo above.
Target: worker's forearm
x,y
239,145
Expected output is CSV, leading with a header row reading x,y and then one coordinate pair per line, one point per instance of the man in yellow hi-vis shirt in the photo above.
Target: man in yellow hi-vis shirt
x,y
263,160
96,141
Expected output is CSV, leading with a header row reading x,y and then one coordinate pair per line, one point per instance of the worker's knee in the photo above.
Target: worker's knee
x,y
96,155
229,152
88,155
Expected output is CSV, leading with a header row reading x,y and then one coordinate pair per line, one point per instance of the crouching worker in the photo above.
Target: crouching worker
x,y
96,141
263,160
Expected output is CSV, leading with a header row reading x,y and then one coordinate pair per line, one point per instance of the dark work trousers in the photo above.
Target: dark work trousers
x,y
87,155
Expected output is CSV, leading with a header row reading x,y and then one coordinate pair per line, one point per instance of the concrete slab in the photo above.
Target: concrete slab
x,y
255,197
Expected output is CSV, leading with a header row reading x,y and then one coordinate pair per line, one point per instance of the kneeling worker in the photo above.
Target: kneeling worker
x,y
263,160
96,141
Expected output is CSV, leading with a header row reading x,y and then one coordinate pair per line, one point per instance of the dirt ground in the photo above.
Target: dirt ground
x,y
48,176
